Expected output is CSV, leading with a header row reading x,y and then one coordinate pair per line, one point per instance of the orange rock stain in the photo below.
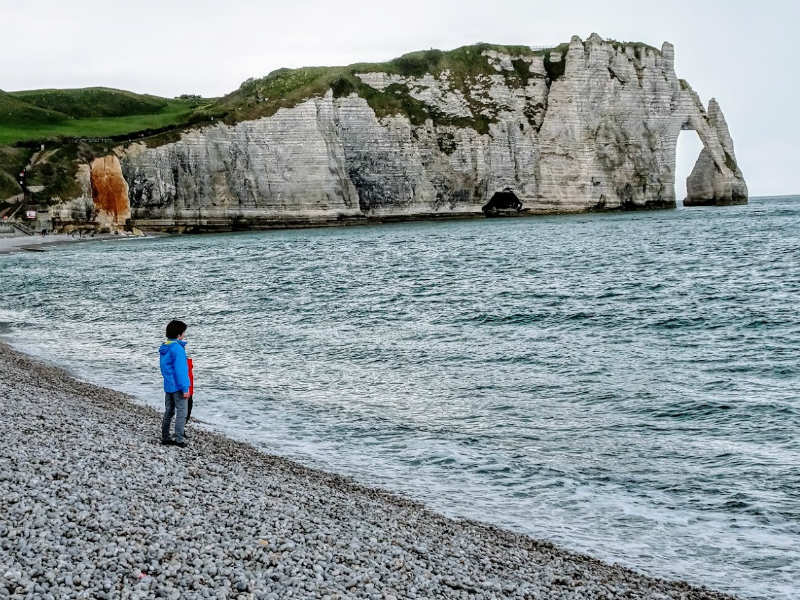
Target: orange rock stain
x,y
109,189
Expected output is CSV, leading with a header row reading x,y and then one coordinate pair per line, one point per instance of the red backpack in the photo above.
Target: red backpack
x,y
191,377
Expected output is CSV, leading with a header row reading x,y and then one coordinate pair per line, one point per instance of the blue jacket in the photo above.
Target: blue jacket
x,y
174,367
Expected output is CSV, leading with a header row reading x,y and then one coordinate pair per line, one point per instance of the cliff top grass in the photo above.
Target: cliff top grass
x,y
76,120
285,88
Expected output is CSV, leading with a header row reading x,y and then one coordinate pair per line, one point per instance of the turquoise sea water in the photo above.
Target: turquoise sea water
x,y
625,385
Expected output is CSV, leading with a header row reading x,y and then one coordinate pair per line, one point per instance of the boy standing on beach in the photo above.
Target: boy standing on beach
x,y
175,370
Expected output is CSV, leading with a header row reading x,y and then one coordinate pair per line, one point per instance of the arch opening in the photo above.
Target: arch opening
x,y
687,152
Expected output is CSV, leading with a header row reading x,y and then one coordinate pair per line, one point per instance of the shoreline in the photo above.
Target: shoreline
x,y
158,228
12,244
90,502
212,224
39,243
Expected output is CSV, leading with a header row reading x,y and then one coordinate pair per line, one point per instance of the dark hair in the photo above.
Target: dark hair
x,y
175,328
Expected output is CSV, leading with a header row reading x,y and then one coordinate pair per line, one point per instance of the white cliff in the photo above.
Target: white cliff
x,y
594,127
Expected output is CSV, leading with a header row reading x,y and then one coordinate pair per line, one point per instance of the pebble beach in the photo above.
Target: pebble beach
x,y
93,506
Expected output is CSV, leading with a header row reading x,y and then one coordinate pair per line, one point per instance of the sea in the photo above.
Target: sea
x,y
625,385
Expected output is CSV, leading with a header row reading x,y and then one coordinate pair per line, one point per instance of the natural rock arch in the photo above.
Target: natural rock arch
x,y
609,137
716,178
687,153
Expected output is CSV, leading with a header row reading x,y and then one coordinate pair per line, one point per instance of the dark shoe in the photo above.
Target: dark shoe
x,y
180,444
167,442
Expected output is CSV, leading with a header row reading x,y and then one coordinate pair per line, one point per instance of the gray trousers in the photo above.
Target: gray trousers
x,y
174,404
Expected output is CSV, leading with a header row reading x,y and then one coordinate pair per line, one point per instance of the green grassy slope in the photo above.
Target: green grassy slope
x,y
174,113
17,113
92,102
88,112
38,115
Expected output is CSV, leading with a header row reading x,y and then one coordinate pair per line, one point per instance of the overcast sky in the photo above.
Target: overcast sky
x,y
739,52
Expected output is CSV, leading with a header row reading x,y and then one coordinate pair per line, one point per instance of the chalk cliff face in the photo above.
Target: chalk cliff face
x,y
591,126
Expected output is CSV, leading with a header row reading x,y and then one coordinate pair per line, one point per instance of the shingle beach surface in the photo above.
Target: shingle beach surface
x,y
92,506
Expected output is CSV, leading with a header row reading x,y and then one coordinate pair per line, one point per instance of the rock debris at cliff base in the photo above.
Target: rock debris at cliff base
x,y
92,506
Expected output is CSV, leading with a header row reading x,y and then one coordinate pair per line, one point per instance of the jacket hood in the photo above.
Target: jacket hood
x,y
165,346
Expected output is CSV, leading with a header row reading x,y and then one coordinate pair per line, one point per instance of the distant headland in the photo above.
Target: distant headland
x,y
483,129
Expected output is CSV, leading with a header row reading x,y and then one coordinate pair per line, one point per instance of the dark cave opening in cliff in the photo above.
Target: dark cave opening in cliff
x,y
686,154
505,201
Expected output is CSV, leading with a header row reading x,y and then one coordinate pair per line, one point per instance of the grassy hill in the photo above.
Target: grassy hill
x,y
36,115
92,102
174,114
20,114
